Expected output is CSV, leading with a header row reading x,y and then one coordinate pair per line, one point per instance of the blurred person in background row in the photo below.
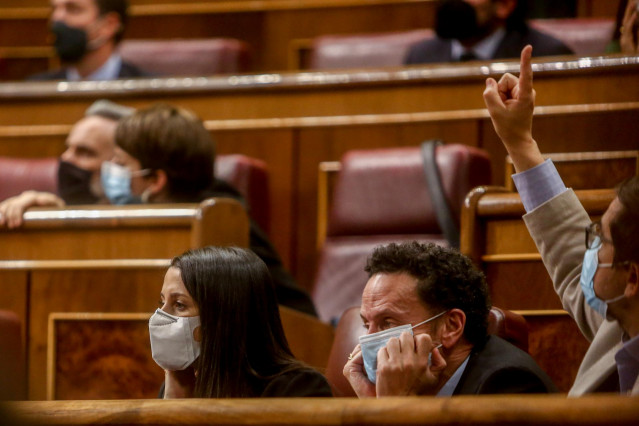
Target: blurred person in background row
x,y
87,34
482,30
165,155
90,142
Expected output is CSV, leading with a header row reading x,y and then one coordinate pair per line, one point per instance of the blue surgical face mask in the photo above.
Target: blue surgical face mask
x,y
116,181
372,343
587,280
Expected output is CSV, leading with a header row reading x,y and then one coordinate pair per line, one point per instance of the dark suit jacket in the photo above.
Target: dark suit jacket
x,y
439,50
128,70
500,367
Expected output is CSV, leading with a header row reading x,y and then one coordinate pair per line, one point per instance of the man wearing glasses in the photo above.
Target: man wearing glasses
x,y
598,283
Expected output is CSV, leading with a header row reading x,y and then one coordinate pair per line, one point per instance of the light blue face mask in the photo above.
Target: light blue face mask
x,y
116,181
372,343
587,280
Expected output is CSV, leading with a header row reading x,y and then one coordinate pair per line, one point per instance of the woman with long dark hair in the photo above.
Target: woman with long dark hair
x,y
218,332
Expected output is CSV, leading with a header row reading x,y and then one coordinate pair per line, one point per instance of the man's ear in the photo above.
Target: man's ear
x,y
504,8
111,24
452,327
632,281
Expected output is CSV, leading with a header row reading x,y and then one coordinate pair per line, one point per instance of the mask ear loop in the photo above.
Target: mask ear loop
x,y
429,319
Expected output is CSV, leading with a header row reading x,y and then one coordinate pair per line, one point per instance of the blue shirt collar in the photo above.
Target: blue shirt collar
x,y
484,50
451,384
110,70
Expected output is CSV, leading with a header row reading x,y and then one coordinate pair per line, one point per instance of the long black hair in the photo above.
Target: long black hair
x,y
243,343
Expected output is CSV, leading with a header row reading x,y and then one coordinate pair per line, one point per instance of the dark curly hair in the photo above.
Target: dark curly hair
x,y
446,279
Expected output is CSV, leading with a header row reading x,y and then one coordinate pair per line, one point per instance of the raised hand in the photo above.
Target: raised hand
x,y
511,103
629,32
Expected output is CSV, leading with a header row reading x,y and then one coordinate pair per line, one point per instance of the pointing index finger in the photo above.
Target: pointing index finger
x,y
525,72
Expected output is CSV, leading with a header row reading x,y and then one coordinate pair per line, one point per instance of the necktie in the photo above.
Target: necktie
x,y
468,55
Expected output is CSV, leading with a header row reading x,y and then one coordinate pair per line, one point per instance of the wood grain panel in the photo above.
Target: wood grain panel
x,y
84,290
520,285
102,359
555,342
489,410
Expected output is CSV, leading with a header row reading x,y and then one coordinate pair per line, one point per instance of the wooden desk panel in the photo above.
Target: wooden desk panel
x,y
112,232
108,355
488,410
418,89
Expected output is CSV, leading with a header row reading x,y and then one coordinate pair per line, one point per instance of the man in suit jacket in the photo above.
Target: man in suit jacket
x,y
425,310
87,33
482,30
598,283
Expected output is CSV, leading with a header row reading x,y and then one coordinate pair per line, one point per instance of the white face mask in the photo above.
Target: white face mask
x,y
372,343
172,344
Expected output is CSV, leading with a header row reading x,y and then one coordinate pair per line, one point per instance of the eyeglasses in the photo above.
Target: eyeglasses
x,y
594,236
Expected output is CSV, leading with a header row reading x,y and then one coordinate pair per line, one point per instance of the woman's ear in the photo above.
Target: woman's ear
x,y
156,190
452,328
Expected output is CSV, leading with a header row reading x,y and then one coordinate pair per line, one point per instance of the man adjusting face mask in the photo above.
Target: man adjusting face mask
x,y
372,343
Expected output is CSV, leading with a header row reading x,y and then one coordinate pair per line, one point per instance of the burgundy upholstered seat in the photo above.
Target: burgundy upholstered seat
x,y
188,57
21,174
585,36
505,324
381,196
12,363
248,175
364,50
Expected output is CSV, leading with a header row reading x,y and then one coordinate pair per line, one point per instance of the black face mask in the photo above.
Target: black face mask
x,y
70,43
456,19
74,184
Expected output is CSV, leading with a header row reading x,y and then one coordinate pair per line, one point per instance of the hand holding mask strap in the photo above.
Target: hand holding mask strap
x,y
372,343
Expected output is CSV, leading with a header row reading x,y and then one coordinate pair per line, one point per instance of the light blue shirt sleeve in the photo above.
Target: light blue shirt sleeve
x,y
538,185
451,384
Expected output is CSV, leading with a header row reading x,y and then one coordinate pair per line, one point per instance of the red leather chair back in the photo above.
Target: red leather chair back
x,y
585,36
250,177
381,196
21,174
188,57
364,50
11,358
505,324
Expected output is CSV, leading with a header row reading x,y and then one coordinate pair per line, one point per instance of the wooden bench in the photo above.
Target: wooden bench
x,y
304,119
494,410
124,232
113,359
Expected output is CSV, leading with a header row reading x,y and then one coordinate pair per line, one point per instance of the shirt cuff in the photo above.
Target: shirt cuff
x,y
538,185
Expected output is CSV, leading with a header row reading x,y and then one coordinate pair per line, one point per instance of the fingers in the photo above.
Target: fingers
x,y
491,96
438,363
525,73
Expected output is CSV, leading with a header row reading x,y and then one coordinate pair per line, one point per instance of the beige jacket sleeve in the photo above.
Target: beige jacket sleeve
x,y
557,227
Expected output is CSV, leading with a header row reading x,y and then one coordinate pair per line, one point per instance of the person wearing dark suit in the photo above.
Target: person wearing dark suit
x,y
482,30
87,34
425,310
